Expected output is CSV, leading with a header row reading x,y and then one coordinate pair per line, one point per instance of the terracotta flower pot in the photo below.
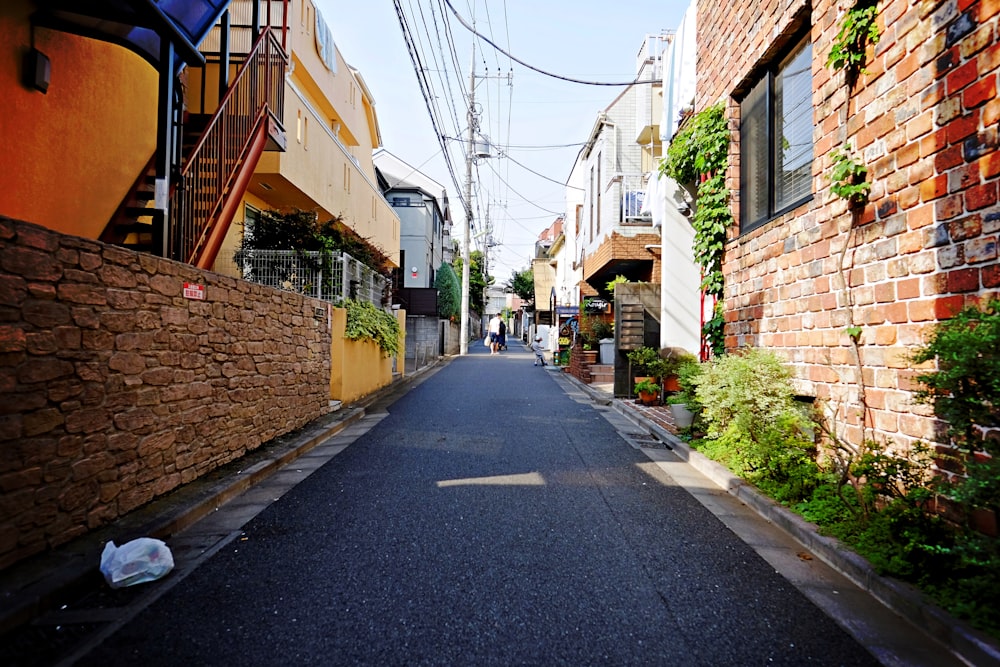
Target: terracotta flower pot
x,y
649,397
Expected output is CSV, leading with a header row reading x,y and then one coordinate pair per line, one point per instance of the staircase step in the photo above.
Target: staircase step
x,y
141,212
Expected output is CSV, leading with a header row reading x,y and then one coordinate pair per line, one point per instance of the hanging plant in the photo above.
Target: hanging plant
x,y
366,322
699,157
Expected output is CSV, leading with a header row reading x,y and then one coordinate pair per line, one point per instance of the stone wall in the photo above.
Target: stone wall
x,y
924,120
423,341
115,388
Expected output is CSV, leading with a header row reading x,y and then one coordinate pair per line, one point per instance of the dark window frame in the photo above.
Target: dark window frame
x,y
767,123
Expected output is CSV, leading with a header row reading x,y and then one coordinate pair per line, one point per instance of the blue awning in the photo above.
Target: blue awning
x,y
139,25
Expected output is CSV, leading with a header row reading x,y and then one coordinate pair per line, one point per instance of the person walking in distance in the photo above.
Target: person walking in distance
x,y
494,330
502,342
539,351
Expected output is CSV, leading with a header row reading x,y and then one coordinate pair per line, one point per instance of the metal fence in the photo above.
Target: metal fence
x,y
330,276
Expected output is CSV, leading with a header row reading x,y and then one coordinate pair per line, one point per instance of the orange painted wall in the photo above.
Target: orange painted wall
x,y
68,157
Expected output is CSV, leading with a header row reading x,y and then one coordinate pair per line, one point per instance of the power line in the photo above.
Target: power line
x,y
541,71
424,85
525,167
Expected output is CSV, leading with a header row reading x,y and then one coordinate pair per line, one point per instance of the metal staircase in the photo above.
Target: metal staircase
x,y
181,204
216,172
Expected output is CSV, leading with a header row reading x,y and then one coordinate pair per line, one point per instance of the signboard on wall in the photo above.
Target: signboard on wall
x,y
596,305
193,291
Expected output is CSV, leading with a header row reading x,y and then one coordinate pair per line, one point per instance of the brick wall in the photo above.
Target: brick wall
x,y
624,244
924,120
115,389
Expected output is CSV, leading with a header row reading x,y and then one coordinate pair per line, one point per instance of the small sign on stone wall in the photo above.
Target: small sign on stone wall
x,y
194,291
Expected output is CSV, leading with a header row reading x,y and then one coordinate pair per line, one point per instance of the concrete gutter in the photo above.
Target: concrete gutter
x,y
33,586
969,644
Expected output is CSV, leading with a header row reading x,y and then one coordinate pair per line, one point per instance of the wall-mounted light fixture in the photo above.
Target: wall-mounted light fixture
x,y
37,70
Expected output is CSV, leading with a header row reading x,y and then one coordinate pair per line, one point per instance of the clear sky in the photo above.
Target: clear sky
x,y
536,122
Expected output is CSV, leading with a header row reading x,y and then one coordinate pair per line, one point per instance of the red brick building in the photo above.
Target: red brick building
x,y
801,269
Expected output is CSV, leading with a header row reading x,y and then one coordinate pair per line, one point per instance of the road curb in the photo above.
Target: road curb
x,y
32,587
969,644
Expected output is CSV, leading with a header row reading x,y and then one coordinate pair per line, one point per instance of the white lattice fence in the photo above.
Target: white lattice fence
x,y
330,276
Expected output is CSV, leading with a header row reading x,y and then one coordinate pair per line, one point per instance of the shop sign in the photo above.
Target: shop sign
x,y
597,305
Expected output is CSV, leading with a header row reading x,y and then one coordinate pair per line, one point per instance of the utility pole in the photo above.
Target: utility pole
x,y
471,119
472,152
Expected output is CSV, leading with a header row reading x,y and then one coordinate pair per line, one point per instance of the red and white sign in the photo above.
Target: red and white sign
x,y
193,291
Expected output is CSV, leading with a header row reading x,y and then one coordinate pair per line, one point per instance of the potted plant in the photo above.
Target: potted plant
x,y
683,416
643,362
667,364
648,390
684,404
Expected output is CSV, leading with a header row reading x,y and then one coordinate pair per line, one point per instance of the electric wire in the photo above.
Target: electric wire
x,y
423,83
472,29
527,168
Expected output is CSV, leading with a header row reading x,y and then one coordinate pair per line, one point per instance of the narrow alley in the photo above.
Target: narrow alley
x,y
491,515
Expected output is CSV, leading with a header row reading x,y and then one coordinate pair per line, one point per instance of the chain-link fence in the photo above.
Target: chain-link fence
x,y
330,276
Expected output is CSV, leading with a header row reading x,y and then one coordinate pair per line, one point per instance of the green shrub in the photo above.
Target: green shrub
x,y
964,391
449,292
366,322
643,360
750,414
965,388
688,371
876,500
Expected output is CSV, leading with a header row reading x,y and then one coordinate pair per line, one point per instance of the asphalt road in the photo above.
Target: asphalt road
x,y
486,519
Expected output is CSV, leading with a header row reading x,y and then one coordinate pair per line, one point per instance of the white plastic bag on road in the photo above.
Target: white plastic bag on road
x,y
135,562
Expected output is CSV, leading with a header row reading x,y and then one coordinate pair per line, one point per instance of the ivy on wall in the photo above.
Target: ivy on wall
x,y
857,30
698,157
366,322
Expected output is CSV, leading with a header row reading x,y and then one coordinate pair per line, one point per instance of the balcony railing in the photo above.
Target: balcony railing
x,y
633,196
328,276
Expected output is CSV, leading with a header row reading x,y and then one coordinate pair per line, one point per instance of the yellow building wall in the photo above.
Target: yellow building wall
x,y
331,135
358,367
234,237
68,157
331,131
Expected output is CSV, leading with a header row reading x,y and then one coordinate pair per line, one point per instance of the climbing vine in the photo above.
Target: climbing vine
x,y
847,177
857,30
699,157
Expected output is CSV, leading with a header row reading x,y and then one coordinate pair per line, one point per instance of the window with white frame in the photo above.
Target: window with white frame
x,y
776,139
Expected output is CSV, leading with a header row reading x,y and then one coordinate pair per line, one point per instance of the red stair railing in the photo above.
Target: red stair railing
x,y
253,101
